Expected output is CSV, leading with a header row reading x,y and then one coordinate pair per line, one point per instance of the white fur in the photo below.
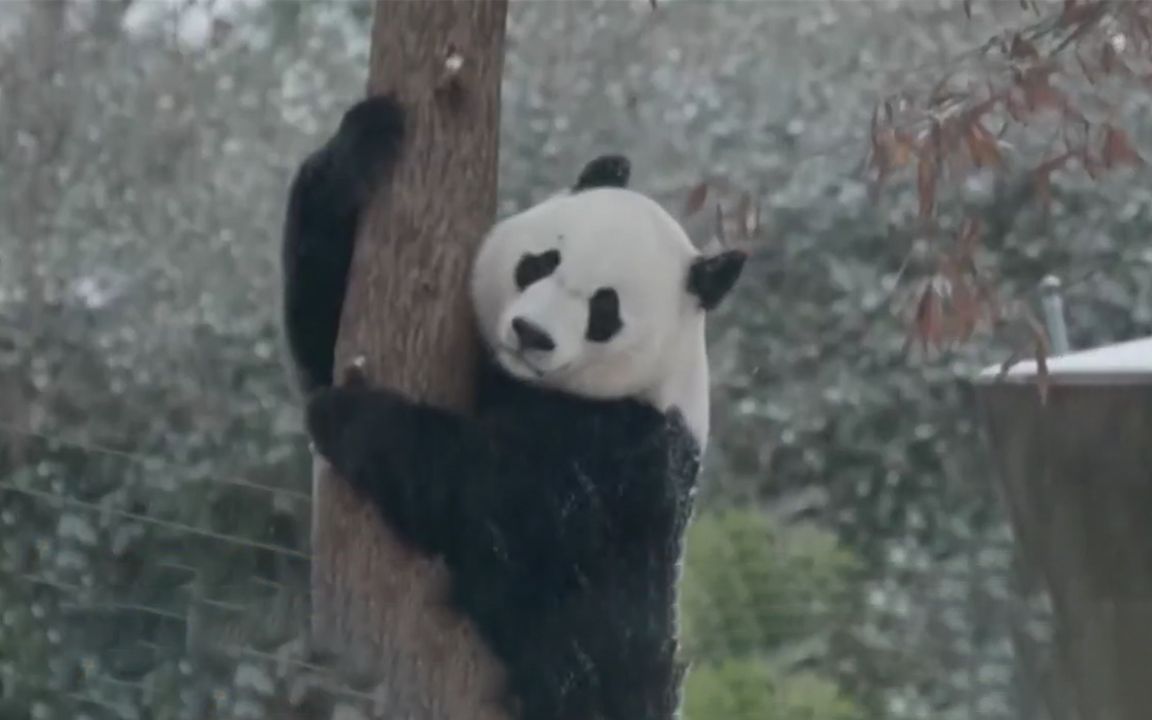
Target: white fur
x,y
607,237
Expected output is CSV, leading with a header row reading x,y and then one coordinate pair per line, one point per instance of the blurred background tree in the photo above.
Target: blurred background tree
x,y
848,560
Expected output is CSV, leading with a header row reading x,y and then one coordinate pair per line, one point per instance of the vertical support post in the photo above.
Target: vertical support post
x,y
1053,306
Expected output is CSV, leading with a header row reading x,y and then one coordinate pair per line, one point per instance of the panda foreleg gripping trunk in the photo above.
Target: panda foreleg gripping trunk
x,y
560,506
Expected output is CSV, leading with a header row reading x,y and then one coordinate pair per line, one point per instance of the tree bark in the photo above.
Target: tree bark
x,y
374,600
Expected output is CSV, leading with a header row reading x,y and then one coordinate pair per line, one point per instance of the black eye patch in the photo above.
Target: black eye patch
x,y
534,268
603,316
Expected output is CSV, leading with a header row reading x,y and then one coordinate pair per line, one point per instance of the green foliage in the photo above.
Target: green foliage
x,y
752,689
751,586
752,590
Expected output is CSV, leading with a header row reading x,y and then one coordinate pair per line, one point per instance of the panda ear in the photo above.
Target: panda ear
x,y
604,171
711,277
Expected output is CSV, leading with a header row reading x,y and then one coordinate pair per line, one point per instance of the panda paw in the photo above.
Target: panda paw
x,y
326,419
348,423
372,131
356,374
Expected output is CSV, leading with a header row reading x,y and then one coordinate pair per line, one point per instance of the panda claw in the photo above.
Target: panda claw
x,y
356,374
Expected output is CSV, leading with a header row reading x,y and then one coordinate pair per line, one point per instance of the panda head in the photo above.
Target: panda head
x,y
598,292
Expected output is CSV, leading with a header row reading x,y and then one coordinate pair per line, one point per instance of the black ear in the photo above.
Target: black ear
x,y
711,277
604,171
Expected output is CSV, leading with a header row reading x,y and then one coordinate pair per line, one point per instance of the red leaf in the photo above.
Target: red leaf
x,y
937,138
926,185
1118,149
968,239
1039,96
982,145
1092,166
926,325
966,311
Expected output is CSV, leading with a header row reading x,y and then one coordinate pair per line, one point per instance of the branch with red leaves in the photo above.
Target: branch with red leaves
x,y
961,126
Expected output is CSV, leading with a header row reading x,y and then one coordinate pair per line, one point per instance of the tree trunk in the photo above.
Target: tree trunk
x,y
407,312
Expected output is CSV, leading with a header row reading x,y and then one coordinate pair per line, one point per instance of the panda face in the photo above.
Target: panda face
x,y
588,293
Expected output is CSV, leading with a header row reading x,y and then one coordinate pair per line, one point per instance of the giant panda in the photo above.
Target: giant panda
x,y
559,507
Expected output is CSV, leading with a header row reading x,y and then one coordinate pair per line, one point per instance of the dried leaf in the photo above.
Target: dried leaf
x,y
1118,149
892,150
968,239
983,146
926,184
1092,166
695,200
902,152
1040,96
1042,184
926,324
965,312
937,135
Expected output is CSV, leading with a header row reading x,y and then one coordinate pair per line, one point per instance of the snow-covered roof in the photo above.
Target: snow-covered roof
x,y
1122,363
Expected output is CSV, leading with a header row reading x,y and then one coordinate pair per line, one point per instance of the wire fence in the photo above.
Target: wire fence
x,y
123,632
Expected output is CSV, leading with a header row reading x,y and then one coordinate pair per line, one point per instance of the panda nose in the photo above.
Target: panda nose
x,y
531,336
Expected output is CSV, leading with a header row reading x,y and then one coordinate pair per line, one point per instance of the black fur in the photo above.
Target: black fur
x,y
711,277
325,200
604,171
560,518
